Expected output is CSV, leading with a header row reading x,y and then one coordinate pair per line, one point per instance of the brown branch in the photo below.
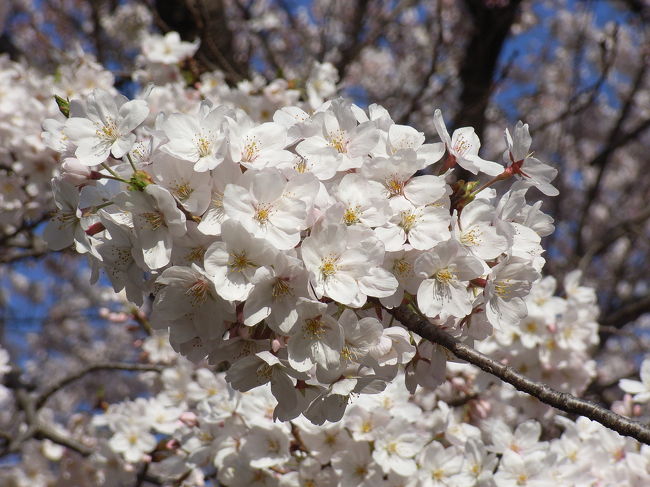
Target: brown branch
x,y
584,98
628,311
416,99
491,27
42,398
559,400
35,429
611,235
615,140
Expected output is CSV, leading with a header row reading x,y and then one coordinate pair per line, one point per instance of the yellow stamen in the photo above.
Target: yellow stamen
x,y
351,215
239,261
154,219
395,186
199,292
281,288
409,220
262,213
445,275
328,266
314,328
338,141
250,150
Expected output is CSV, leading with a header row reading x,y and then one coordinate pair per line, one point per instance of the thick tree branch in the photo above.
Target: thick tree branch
x,y
477,72
560,400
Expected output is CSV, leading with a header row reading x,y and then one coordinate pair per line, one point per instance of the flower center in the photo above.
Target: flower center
x,y
314,328
444,276
395,186
198,292
338,141
239,261
204,145
301,166
196,254
263,212
281,288
461,146
250,150
183,191
503,288
108,131
328,266
471,237
402,267
154,219
408,220
351,215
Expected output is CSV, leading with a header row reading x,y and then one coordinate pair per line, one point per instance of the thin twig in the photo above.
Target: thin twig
x,y
45,395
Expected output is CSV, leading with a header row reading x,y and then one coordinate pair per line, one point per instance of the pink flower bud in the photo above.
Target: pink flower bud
x,y
73,172
188,418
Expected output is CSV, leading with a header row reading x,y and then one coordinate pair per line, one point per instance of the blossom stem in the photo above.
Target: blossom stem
x,y
128,156
108,168
106,176
501,177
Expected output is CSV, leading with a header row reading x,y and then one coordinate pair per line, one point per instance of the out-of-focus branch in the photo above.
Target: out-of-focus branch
x,y
263,37
416,99
42,398
26,402
355,33
611,235
615,140
586,97
627,312
352,50
559,400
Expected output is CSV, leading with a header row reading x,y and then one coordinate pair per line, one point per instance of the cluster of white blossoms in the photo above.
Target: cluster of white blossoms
x,y
279,247
27,161
196,430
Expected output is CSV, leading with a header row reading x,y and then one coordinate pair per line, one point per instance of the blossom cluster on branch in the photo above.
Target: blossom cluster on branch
x,y
274,246
271,235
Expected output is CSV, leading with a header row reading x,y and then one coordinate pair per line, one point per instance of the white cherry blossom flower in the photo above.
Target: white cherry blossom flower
x,y
256,146
342,141
191,189
521,162
641,390
476,233
233,262
263,203
167,49
421,226
197,138
463,148
156,221
395,447
317,338
446,270
355,466
132,442
104,125
508,283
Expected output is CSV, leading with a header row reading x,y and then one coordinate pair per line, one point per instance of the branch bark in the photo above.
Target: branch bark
x,y
477,72
42,398
559,400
